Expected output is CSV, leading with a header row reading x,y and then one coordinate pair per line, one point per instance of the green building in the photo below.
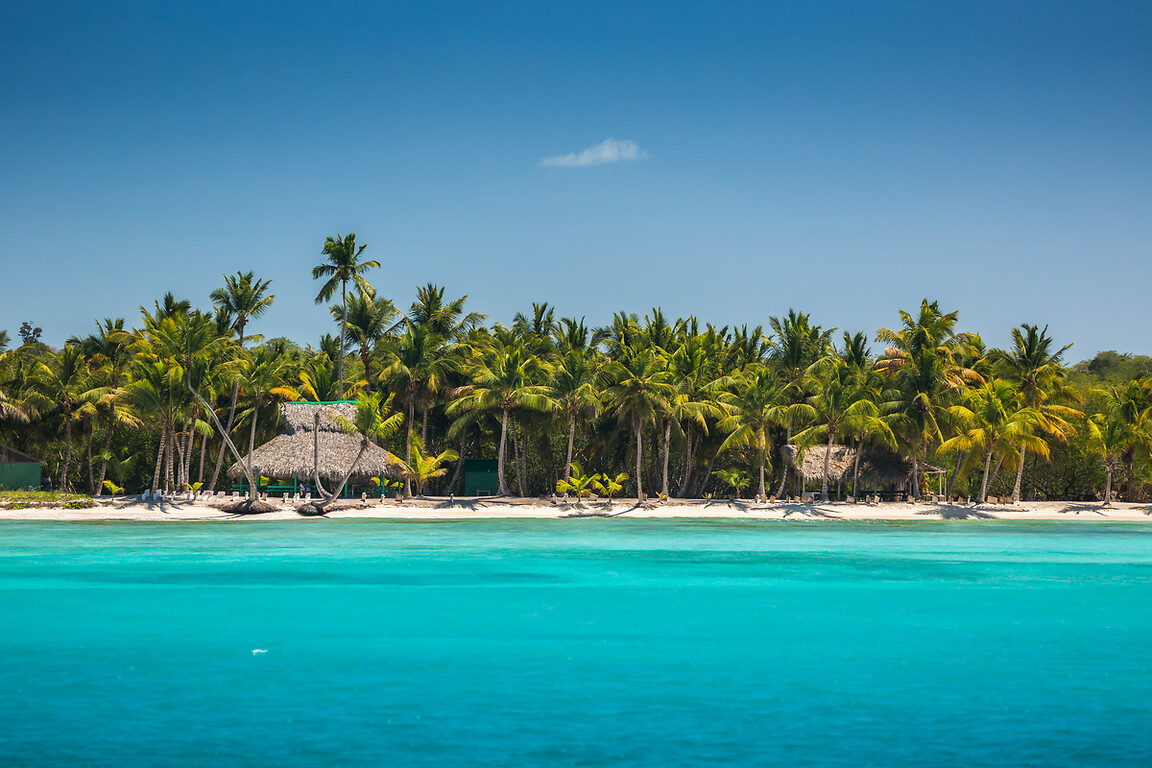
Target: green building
x,y
18,471
480,478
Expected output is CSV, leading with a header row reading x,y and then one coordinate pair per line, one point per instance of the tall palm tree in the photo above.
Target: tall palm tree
x,y
343,266
502,380
751,411
416,371
369,320
640,395
839,404
1035,370
921,361
445,318
996,421
576,380
66,380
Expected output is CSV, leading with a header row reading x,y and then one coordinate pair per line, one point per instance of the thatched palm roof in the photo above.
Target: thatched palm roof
x,y
290,454
878,466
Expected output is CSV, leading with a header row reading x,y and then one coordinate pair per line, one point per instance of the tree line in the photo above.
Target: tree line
x,y
679,407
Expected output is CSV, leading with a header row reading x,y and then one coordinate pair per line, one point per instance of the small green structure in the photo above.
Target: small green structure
x,y
18,471
480,478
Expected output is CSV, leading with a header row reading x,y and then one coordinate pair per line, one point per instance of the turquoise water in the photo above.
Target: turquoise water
x,y
575,643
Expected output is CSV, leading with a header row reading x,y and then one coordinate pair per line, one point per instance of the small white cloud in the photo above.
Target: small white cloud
x,y
607,151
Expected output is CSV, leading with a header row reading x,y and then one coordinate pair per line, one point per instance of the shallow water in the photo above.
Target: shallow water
x,y
576,642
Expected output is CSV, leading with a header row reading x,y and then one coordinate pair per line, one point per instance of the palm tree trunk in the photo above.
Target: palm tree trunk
x,y
107,448
571,443
252,447
343,331
424,429
203,450
459,462
639,456
91,471
227,430
340,489
827,456
952,477
784,472
500,463
760,493
67,448
1108,485
987,465
689,462
667,440
856,471
159,459
408,443
1019,479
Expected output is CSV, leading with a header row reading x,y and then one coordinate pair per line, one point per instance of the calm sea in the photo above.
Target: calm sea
x,y
575,643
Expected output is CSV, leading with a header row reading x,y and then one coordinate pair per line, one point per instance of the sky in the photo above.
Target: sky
x,y
730,160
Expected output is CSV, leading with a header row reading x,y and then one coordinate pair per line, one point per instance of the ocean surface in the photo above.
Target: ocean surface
x,y
575,643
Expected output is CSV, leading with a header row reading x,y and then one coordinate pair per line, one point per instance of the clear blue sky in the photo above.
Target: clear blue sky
x,y
843,159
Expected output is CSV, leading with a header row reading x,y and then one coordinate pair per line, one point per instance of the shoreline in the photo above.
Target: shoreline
x,y
129,509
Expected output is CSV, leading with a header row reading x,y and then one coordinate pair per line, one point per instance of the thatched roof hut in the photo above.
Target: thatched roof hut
x,y
290,454
878,466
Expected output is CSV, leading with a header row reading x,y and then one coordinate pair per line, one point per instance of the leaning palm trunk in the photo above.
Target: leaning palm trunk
x,y
227,430
252,448
1019,478
228,440
459,462
987,465
159,458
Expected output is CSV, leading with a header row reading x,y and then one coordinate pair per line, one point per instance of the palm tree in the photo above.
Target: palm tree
x,y
838,404
66,380
576,380
1123,426
1036,372
343,266
260,376
921,361
502,380
446,319
996,421
242,298
751,411
369,319
417,371
641,394
424,468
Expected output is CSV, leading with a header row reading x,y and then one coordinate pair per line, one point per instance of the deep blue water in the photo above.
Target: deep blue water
x,y
576,642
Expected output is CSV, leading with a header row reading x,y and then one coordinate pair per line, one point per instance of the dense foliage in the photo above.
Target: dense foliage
x,y
665,406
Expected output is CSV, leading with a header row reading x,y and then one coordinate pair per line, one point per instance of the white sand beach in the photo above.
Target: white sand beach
x,y
132,508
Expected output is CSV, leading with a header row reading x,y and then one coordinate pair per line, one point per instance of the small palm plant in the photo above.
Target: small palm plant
x,y
609,486
113,489
733,478
577,483
423,468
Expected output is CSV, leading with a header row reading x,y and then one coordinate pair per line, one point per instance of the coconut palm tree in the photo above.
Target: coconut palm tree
x,y
242,298
416,371
503,380
640,395
446,319
751,410
838,404
576,380
343,266
1035,370
66,381
424,468
995,421
261,377
921,363
369,319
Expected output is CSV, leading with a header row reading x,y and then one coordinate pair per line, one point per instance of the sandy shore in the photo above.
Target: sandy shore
x,y
131,508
